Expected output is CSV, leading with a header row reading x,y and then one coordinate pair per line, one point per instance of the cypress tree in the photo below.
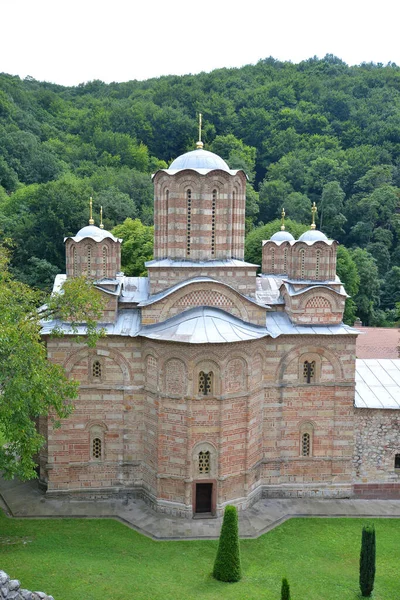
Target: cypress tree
x,y
227,565
285,589
367,560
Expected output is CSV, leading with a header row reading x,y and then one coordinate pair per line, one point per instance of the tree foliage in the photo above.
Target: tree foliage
x,y
30,385
285,589
227,566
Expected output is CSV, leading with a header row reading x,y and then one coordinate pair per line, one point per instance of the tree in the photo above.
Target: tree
x,y
30,385
137,246
227,566
367,560
285,589
367,297
347,271
331,217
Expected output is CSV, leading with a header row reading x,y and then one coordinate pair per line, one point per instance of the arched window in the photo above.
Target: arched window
x,y
397,461
213,211
272,260
302,256
189,220
89,261
205,383
96,448
317,264
204,462
309,371
96,369
305,444
104,261
285,261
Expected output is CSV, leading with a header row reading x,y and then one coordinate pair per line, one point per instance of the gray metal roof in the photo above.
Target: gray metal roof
x,y
164,293
281,236
126,324
278,323
169,262
94,233
313,235
377,383
134,289
204,326
315,285
199,159
268,289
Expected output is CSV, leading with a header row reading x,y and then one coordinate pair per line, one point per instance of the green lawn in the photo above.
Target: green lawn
x,y
98,559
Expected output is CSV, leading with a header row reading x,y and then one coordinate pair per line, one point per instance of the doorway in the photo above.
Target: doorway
x,y
204,498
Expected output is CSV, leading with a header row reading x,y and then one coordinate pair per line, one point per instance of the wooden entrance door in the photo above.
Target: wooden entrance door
x,y
203,497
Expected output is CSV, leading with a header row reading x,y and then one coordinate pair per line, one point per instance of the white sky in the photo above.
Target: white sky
x,y
73,41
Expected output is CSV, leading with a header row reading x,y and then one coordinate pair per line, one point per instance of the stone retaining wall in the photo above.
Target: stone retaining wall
x,y
10,589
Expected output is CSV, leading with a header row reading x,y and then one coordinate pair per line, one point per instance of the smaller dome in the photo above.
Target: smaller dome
x,y
199,159
313,235
95,233
282,236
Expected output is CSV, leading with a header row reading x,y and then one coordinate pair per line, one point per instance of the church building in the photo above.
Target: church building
x,y
214,384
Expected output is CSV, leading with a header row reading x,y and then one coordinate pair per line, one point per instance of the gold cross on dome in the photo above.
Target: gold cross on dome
x,y
313,211
283,215
91,222
200,144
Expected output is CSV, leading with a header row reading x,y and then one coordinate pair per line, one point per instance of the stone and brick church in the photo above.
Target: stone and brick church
x,y
216,384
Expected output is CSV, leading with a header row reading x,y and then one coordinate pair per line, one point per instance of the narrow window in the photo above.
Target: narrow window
x,y
189,220
75,262
96,448
305,444
104,261
213,210
272,260
96,369
302,264
204,462
309,371
397,461
317,264
205,383
89,261
285,261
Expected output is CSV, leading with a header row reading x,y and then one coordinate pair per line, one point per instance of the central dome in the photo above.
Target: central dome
x,y
199,159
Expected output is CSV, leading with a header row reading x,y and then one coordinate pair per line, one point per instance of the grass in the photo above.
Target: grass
x,y
96,559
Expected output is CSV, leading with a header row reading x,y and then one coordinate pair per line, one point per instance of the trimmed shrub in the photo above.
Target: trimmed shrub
x,y
367,560
227,565
285,589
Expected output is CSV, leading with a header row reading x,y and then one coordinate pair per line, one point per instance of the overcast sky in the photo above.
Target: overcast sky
x,y
74,41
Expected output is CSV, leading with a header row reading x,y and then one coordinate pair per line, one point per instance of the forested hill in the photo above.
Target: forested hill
x,y
315,131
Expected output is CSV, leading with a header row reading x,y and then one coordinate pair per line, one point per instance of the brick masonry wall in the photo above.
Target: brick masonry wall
x,y
242,279
204,294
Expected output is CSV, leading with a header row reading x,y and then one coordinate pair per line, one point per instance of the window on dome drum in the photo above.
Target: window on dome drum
x,y
302,264
317,263
96,369
397,461
96,448
205,383
104,262
213,210
305,444
285,261
166,215
204,462
309,371
89,260
272,260
75,262
189,220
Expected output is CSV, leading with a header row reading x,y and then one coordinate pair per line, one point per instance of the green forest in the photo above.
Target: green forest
x,y
318,131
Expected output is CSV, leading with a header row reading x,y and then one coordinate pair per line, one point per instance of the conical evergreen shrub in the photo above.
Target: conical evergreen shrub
x,y
227,565
367,560
285,589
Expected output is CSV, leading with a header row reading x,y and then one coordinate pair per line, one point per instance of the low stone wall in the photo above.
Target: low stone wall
x,y
10,589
